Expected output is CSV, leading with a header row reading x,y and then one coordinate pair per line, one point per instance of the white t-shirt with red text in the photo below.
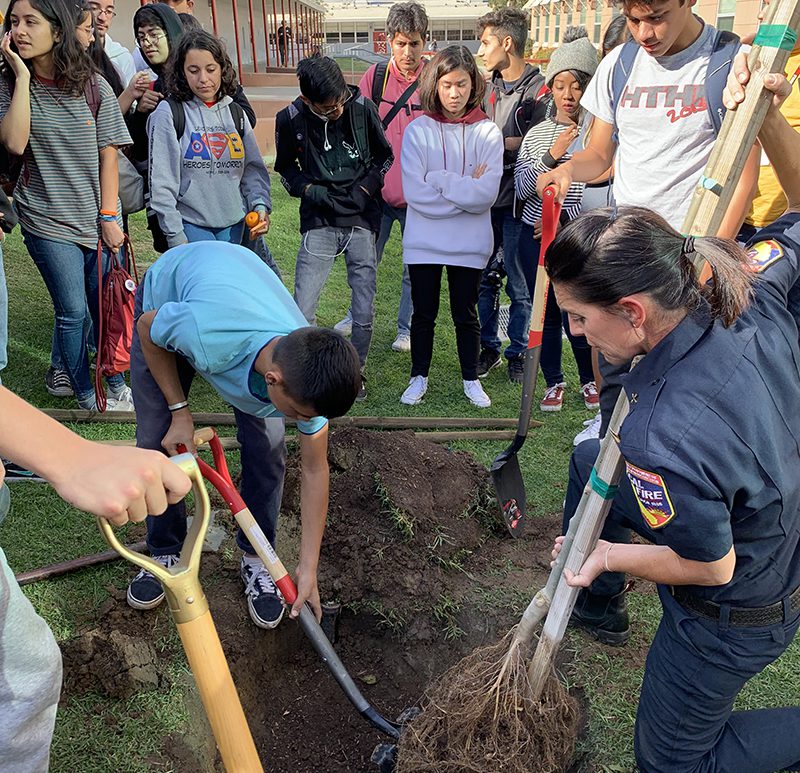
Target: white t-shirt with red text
x,y
665,133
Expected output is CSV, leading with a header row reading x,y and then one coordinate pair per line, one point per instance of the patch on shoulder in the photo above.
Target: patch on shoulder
x,y
763,255
652,496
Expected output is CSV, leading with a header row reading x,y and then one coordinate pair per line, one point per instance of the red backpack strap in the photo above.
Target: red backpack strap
x,y
91,91
99,391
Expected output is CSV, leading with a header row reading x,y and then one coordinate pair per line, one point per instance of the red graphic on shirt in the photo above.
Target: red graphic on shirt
x,y
680,101
217,142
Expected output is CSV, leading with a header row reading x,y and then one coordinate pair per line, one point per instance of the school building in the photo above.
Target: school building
x,y
550,18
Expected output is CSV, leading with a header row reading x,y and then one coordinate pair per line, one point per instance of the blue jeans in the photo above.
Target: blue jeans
x,y
69,272
554,322
3,315
263,454
318,249
390,214
520,278
695,669
202,233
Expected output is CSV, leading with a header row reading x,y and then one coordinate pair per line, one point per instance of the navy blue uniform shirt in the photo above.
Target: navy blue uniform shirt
x,y
712,441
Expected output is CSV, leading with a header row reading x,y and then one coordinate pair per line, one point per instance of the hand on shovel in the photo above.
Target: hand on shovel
x,y
307,591
258,223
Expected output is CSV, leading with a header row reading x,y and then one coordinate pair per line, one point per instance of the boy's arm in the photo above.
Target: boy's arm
x,y
112,482
382,154
586,165
314,485
164,368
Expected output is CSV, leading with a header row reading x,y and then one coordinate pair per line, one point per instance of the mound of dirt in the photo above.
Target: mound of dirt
x,y
405,517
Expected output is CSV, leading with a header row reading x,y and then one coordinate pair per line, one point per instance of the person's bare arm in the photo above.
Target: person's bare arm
x,y
15,128
314,485
164,368
112,482
113,237
742,196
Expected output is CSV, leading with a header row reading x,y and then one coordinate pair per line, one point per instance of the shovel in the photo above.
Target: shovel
x,y
189,609
506,474
221,480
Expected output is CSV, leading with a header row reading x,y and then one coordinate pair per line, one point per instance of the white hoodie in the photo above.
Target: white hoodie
x,y
448,219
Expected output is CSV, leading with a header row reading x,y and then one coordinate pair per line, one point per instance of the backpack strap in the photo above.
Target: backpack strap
x,y
91,92
619,77
726,44
400,104
237,113
379,82
360,133
178,117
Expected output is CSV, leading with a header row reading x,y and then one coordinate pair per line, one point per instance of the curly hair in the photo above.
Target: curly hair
x,y
71,63
177,85
446,61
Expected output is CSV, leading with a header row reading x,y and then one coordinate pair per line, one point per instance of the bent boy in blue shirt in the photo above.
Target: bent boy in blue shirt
x,y
215,309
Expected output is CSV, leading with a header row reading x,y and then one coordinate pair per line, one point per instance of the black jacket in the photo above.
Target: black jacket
x,y
336,168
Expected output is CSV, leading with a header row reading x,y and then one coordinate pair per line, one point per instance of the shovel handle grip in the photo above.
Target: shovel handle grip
x,y
218,693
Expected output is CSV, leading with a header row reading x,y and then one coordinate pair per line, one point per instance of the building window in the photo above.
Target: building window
x,y
598,21
584,3
332,37
468,34
453,31
438,34
726,14
557,28
348,37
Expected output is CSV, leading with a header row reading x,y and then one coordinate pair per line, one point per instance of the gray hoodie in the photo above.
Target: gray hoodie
x,y
211,177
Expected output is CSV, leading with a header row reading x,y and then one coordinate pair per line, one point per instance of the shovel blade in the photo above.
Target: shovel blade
x,y
510,490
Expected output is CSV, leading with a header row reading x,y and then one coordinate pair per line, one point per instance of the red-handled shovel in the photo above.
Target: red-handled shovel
x,y
506,474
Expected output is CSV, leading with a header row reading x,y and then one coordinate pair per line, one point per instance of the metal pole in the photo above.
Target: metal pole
x,y
275,33
213,17
252,35
304,14
297,18
236,37
266,32
282,46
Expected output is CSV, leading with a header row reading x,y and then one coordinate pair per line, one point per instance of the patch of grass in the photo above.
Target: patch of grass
x,y
403,522
446,611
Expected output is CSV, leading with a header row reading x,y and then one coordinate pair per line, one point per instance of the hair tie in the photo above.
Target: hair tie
x,y
688,245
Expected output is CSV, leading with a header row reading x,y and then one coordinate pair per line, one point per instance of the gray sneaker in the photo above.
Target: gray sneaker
x,y
57,383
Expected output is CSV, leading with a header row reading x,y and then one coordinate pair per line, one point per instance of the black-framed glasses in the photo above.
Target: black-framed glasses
x,y
335,109
150,37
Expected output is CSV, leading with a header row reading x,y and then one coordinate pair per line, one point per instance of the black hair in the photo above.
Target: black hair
x,y
189,22
176,83
321,79
162,16
616,34
97,54
446,61
320,368
507,22
606,254
406,18
70,62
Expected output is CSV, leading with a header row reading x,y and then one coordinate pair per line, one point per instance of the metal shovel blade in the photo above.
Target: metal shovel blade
x,y
510,488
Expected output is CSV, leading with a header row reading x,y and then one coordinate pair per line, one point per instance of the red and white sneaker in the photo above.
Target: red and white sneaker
x,y
553,398
591,397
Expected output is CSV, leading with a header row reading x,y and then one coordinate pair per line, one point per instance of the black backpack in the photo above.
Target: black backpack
x,y
179,117
379,86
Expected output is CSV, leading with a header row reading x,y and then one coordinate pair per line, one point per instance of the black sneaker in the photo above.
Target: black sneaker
x,y
362,392
145,591
516,369
57,383
603,617
16,473
489,358
264,600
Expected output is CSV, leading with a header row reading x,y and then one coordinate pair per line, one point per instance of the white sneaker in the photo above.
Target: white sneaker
x,y
113,404
402,343
592,431
344,326
474,392
417,387
125,395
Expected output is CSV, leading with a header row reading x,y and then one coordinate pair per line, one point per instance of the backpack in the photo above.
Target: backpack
x,y
379,86
725,46
179,117
115,296
11,166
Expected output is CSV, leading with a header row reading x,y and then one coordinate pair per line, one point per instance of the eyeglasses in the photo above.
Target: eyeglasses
x,y
98,11
333,110
152,37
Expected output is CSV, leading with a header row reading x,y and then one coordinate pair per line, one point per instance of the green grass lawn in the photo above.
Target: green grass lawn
x,y
96,735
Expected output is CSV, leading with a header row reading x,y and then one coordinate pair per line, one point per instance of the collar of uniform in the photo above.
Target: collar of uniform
x,y
669,350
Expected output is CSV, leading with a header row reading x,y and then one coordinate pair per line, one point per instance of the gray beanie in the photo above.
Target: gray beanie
x,y
576,52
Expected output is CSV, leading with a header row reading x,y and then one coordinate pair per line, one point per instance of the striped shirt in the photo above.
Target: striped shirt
x,y
537,142
58,192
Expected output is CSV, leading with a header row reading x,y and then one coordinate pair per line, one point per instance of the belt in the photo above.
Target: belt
x,y
742,617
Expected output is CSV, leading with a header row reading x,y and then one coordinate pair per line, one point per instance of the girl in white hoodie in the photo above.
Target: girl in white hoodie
x,y
451,162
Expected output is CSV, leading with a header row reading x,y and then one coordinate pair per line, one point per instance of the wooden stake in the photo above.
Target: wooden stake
x,y
710,200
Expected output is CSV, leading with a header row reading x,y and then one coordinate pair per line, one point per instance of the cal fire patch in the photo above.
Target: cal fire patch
x,y
651,494
763,254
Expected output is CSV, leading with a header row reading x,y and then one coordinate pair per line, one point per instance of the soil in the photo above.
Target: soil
x,y
424,572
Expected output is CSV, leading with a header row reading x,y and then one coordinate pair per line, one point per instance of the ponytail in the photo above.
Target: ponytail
x,y
608,254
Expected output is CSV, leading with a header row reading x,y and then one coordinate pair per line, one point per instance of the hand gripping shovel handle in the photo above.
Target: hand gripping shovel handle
x,y
505,470
189,608
221,480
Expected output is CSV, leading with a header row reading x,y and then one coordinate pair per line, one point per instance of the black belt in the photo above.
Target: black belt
x,y
742,617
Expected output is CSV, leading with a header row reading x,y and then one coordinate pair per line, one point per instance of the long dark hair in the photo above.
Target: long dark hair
x,y
70,62
96,52
177,85
446,61
604,255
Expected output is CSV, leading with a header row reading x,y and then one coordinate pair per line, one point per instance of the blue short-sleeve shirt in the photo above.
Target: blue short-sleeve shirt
x,y
712,440
218,305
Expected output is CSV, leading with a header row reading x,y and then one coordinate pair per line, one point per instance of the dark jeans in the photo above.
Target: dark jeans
x,y
390,214
263,454
520,277
426,288
554,323
695,669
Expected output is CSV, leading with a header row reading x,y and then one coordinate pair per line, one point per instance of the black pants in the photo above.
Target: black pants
x,y
426,287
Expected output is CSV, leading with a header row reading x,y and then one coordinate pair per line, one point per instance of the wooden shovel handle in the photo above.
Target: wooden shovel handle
x,y
218,693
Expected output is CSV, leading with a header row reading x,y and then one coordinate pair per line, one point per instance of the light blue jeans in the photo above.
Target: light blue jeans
x,y
318,249
202,233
